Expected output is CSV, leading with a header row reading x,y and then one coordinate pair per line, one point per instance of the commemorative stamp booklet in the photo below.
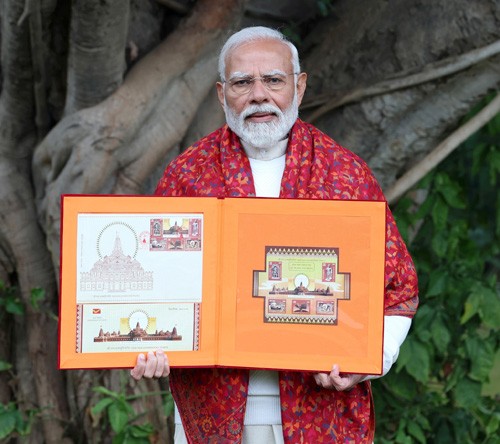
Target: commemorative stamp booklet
x,y
235,282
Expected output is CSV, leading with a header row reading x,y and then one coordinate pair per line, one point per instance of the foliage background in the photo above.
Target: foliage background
x,y
445,386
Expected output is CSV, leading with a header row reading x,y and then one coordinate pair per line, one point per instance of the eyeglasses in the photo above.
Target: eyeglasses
x,y
272,82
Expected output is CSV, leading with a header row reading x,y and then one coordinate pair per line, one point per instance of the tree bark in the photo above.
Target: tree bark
x,y
115,145
20,227
25,387
363,48
97,51
399,144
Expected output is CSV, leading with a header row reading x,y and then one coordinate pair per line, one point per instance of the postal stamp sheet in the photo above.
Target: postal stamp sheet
x,y
139,282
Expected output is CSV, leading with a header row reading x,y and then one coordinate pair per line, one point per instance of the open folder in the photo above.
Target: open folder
x,y
235,282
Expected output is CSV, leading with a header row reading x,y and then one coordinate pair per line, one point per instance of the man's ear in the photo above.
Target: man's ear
x,y
301,86
220,93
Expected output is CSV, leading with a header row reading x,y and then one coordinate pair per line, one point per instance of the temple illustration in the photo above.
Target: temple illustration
x,y
138,334
176,229
116,273
301,290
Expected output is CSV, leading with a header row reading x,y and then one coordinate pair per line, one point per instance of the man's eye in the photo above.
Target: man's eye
x,y
273,80
242,82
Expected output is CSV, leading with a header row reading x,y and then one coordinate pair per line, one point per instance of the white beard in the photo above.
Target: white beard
x,y
262,135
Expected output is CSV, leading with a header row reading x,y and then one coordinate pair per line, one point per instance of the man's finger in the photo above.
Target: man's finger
x,y
339,382
138,371
161,365
323,380
166,368
150,365
318,379
335,373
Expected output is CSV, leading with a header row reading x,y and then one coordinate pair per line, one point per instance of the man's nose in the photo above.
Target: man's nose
x,y
259,93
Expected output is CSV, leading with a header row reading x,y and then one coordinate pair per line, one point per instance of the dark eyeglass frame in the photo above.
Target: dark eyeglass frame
x,y
272,82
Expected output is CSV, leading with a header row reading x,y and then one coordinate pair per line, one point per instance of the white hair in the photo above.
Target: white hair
x,y
252,34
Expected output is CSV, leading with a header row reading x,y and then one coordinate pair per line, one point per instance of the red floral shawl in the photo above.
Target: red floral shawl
x,y
212,401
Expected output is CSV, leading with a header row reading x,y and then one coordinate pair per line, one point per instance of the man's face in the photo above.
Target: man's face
x,y
261,115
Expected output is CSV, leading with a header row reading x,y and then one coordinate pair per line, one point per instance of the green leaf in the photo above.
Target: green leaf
x,y
458,238
401,384
118,418
14,306
37,295
403,227
458,373
424,319
7,423
471,307
484,301
423,422
482,356
494,165
401,435
404,356
102,405
425,208
107,392
489,309
440,212
4,365
126,437
23,427
141,431
493,425
439,243
438,280
451,193
497,228
127,407
120,438
402,438
441,336
403,207
416,431
415,358
168,405
444,434
425,314
467,393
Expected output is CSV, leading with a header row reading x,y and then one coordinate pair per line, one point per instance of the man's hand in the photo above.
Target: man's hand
x,y
155,366
335,381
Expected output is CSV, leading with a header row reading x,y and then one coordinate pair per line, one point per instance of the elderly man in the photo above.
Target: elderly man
x,y
265,150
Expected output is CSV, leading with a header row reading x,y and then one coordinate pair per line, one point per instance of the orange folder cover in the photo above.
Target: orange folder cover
x,y
235,282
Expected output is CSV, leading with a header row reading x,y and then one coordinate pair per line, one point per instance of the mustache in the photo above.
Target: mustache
x,y
265,108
